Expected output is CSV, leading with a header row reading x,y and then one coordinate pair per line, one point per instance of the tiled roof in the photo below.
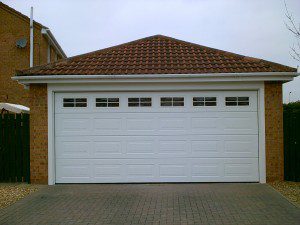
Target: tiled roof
x,y
156,55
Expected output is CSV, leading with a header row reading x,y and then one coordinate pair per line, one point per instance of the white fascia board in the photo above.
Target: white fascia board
x,y
51,39
210,77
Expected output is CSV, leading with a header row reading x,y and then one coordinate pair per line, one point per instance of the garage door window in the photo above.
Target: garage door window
x,y
107,102
204,101
139,102
237,101
172,101
75,102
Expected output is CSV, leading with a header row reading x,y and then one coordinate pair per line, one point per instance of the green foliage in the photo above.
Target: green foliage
x,y
294,106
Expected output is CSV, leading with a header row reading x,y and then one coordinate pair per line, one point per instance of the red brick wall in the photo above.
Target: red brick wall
x,y
38,134
274,131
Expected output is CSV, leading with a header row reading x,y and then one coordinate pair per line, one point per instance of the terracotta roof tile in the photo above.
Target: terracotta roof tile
x,y
157,55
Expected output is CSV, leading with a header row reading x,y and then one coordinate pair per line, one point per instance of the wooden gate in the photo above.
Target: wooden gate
x,y
14,148
291,124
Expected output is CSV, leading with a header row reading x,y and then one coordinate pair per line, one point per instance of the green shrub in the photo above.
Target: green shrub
x,y
292,106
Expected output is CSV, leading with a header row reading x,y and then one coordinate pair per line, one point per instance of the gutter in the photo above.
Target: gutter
x,y
210,77
50,37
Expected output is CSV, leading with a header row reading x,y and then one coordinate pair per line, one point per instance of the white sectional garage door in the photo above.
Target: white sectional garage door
x,y
118,137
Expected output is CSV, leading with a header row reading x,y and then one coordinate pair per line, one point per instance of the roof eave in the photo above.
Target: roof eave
x,y
209,77
51,39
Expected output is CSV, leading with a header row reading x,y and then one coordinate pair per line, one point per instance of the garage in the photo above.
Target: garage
x,y
156,109
162,136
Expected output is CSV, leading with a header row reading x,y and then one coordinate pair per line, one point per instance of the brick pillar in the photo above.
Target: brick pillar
x,y
38,134
274,131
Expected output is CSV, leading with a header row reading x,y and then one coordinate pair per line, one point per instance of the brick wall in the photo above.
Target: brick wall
x,y
38,134
13,27
274,131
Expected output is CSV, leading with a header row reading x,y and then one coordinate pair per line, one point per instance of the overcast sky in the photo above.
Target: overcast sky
x,y
254,27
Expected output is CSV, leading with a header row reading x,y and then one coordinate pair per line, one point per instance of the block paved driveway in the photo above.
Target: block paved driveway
x,y
153,204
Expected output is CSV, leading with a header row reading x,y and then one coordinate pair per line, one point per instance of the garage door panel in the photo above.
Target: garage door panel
x,y
224,123
245,168
71,147
131,124
140,124
72,125
140,146
72,171
106,124
156,144
157,170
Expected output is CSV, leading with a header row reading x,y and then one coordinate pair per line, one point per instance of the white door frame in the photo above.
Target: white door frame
x,y
156,86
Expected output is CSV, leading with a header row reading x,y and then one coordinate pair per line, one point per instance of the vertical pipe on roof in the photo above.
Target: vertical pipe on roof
x,y
31,37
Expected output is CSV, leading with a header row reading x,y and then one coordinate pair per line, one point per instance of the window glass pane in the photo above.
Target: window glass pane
x,y
69,99
231,98
178,99
231,103
210,103
101,99
68,104
104,104
243,103
145,104
113,104
81,104
113,100
198,103
210,99
243,98
80,99
145,99
133,104
166,99
133,99
166,104
198,99
178,103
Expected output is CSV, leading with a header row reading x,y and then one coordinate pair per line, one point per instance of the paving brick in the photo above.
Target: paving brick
x,y
174,204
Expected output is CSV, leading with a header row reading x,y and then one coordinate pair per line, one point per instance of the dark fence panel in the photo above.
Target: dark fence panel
x,y
291,124
14,148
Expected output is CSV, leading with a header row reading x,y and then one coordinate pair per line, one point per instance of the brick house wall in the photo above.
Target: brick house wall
x,y
38,134
274,131
15,26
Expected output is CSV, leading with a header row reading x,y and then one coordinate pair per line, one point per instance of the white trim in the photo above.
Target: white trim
x,y
51,152
209,77
52,41
261,134
85,87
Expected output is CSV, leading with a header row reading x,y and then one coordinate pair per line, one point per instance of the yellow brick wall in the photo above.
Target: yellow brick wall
x,y
38,134
274,131
13,27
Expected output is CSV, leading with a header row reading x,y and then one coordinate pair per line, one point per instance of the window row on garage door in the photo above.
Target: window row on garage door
x,y
198,101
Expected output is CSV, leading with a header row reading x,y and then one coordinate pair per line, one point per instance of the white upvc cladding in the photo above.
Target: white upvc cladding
x,y
159,87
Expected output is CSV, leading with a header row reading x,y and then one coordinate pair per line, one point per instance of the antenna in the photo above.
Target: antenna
x,y
21,43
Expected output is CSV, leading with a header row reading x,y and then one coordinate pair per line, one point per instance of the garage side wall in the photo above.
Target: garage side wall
x,y
274,131
38,134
